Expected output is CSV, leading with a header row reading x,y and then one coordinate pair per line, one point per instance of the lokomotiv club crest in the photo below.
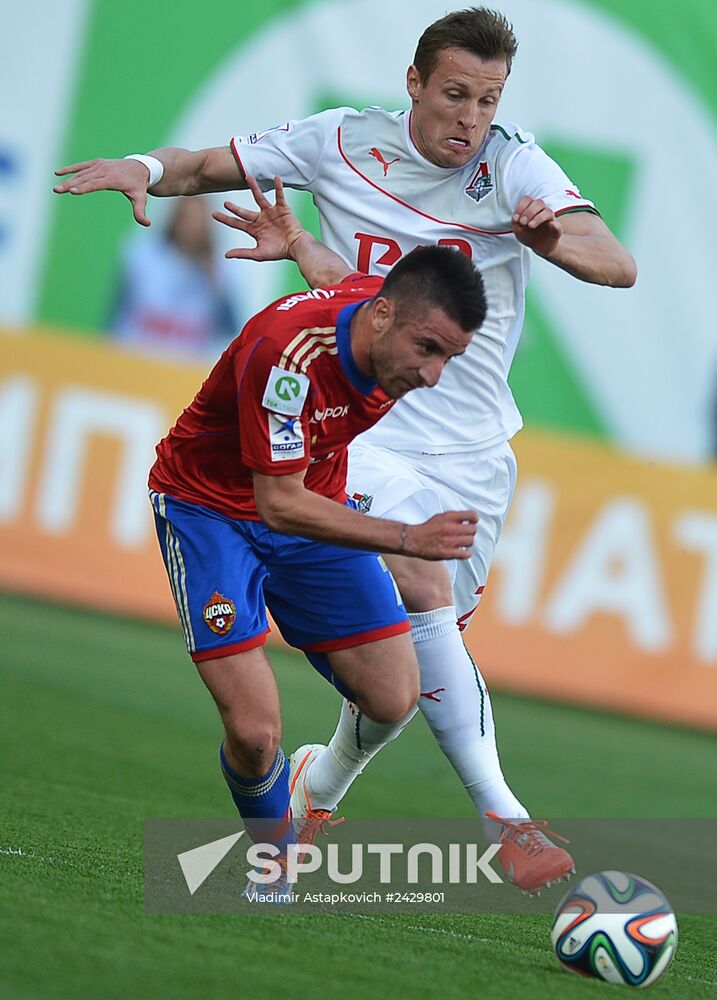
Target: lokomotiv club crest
x,y
481,183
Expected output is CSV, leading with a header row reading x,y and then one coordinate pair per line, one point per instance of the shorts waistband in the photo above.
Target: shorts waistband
x,y
487,449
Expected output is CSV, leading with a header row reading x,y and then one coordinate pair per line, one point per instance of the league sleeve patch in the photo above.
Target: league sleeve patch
x,y
285,392
258,136
286,438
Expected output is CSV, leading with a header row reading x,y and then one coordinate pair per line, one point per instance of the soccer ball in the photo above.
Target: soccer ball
x,y
617,927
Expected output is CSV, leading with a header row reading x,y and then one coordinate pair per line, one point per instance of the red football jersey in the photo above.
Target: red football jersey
x,y
285,396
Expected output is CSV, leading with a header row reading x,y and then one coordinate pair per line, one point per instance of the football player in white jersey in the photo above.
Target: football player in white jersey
x,y
443,172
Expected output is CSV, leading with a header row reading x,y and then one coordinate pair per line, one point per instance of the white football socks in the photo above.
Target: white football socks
x,y
455,702
356,740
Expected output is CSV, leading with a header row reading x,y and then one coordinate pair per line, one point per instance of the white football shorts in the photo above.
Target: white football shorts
x,y
413,487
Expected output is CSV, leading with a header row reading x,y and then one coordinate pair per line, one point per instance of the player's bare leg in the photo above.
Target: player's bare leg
x,y
383,676
455,701
252,761
454,696
244,690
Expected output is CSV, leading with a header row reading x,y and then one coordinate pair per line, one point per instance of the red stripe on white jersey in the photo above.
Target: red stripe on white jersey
x,y
412,208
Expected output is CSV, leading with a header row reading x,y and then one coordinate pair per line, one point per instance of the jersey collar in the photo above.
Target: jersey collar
x,y
362,383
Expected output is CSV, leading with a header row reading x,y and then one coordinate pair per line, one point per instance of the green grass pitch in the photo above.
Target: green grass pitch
x,y
103,722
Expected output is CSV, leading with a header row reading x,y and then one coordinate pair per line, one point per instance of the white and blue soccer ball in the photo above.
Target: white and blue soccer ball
x,y
616,927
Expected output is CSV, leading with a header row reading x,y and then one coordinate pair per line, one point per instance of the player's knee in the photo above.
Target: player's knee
x,y
253,747
390,706
388,713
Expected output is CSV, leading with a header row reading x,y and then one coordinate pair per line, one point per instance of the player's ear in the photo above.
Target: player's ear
x,y
413,82
382,314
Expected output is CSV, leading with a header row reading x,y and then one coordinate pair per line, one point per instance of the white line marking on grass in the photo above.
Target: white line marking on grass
x,y
19,853
446,932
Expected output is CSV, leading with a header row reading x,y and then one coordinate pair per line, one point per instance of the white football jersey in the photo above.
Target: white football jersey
x,y
378,198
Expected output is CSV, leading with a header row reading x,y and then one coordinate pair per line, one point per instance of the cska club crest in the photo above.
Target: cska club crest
x,y
219,613
481,183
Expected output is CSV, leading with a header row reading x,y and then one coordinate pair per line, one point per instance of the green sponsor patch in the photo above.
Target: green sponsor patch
x,y
285,392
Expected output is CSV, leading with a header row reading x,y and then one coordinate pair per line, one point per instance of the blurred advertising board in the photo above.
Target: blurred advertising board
x,y
603,589
78,424
604,584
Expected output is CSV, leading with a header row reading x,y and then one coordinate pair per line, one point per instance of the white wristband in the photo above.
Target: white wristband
x,y
155,167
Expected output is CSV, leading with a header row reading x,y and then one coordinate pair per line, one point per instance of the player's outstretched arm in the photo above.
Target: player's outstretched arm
x,y
286,506
579,243
280,236
179,172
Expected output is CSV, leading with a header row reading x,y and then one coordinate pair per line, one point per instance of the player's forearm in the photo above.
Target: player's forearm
x,y
201,171
319,265
301,512
598,259
285,505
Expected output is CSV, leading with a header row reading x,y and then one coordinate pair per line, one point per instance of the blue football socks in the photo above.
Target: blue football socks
x,y
263,802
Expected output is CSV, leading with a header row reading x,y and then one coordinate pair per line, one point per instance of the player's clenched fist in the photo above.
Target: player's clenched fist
x,y
130,177
444,536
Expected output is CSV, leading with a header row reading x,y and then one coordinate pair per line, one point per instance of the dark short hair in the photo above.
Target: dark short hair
x,y
486,33
437,277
